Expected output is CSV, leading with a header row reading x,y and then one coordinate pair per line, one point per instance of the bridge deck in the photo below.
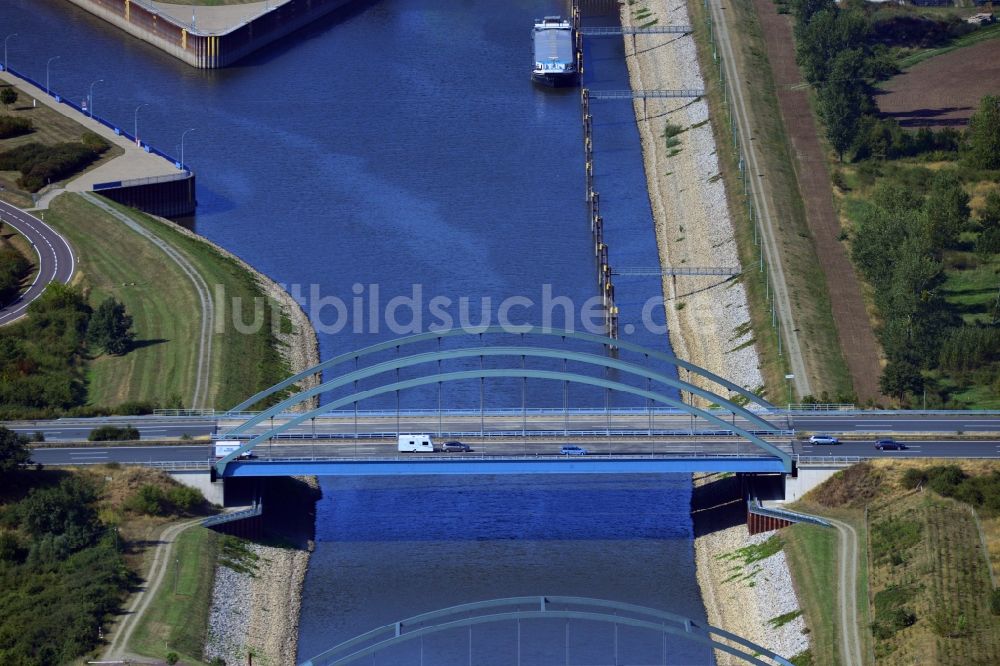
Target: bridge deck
x,y
504,465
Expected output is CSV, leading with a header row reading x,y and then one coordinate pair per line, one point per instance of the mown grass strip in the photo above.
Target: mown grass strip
x,y
177,618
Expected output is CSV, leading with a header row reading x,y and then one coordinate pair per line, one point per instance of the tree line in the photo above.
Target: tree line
x,y
907,224
841,55
43,357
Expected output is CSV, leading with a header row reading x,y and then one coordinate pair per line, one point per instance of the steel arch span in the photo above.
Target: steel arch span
x,y
515,373
548,608
606,342
605,362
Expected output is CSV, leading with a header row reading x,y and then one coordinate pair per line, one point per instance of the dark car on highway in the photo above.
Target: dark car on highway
x,y
452,447
889,444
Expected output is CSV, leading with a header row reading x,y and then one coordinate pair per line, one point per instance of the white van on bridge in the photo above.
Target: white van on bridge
x,y
415,443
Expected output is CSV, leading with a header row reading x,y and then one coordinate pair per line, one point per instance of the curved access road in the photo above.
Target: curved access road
x,y
55,258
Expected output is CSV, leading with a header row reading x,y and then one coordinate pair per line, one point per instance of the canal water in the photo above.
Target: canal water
x,y
400,144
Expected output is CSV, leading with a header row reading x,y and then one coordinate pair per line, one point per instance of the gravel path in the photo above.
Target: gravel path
x,y
850,640
690,209
787,324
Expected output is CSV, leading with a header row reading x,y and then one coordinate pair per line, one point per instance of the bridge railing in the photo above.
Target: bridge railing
x,y
754,506
233,516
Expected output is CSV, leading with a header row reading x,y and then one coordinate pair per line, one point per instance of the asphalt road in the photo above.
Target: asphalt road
x,y
383,449
55,257
863,425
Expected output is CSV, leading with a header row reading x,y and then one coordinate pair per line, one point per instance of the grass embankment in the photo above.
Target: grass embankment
x,y
177,618
806,283
48,128
116,261
924,554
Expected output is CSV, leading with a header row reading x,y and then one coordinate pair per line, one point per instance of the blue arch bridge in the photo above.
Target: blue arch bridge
x,y
541,630
631,412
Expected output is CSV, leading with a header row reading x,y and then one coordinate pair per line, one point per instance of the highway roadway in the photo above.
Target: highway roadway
x,y
846,424
55,258
923,448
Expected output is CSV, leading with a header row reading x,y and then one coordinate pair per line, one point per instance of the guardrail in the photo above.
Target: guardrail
x,y
187,412
165,465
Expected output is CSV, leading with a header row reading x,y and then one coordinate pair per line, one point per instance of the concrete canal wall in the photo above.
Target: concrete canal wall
x,y
233,33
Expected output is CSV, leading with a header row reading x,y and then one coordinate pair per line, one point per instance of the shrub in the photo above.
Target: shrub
x,y
40,164
11,126
135,408
94,142
110,433
13,267
995,601
185,499
913,478
172,658
152,500
149,499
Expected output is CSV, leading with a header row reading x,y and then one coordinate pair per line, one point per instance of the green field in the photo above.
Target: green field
x,y
116,261
177,618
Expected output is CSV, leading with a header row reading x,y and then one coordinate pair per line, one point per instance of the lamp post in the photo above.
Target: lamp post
x,y
137,122
5,68
47,63
788,381
90,97
183,134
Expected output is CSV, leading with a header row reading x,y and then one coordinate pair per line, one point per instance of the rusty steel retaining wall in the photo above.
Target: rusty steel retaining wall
x,y
202,49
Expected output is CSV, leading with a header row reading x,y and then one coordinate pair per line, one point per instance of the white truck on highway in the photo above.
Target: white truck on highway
x,y
223,447
415,443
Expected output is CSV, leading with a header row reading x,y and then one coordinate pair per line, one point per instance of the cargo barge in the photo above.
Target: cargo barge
x,y
555,57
